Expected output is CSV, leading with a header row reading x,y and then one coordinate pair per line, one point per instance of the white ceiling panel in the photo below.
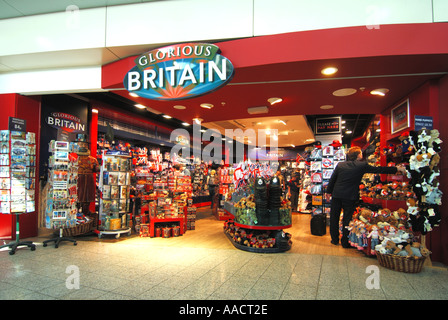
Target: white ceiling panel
x,y
58,59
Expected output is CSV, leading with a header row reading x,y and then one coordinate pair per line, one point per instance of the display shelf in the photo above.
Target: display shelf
x,y
257,241
153,220
246,226
257,250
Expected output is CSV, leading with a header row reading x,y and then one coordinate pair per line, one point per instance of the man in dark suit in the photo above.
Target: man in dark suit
x,y
344,189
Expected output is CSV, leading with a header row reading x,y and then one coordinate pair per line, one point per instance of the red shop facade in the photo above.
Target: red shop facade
x,y
411,60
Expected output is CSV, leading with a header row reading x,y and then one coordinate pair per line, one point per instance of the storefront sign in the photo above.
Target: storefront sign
x,y
65,121
179,72
328,125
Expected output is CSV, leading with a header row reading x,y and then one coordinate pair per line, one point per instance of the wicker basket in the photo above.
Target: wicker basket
x,y
78,230
399,263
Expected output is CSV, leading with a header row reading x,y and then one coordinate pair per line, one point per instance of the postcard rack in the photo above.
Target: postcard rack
x,y
61,209
17,177
114,204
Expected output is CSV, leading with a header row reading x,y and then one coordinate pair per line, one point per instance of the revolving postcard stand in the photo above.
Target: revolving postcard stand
x,y
114,183
62,196
17,176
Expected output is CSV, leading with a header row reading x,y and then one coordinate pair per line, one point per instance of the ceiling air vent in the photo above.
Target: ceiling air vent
x,y
258,110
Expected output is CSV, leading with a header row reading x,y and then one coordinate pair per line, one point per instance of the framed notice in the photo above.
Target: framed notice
x,y
328,125
399,117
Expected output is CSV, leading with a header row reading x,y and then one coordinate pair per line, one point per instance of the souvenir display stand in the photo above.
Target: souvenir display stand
x,y
17,171
395,217
259,212
61,207
169,210
114,184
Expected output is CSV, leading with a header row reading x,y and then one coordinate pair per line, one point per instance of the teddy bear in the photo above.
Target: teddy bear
x,y
435,159
392,247
365,215
419,250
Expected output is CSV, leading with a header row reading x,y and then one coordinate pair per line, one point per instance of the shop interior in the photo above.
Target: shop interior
x,y
118,179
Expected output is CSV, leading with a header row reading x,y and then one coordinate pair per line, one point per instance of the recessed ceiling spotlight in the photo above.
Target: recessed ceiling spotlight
x,y
179,107
327,106
293,145
140,106
329,71
206,105
185,124
274,100
167,116
282,121
348,131
344,92
379,92
133,94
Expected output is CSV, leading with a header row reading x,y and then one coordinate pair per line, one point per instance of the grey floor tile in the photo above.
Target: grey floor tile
x,y
333,293
299,292
158,293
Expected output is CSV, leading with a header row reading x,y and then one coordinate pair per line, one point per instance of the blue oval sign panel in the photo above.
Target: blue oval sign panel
x,y
179,72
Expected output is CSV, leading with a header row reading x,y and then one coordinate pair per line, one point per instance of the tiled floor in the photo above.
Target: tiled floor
x,y
155,269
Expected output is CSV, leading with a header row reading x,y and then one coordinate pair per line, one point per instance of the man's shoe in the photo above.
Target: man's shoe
x,y
346,245
334,242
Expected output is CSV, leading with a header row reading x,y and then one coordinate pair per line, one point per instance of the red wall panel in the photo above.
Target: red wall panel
x,y
27,108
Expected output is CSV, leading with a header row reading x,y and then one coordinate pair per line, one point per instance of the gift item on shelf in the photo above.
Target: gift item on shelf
x,y
18,174
114,184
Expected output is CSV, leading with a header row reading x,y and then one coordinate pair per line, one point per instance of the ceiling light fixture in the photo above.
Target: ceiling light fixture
x,y
348,132
344,92
293,145
274,100
281,121
94,110
167,116
140,106
133,94
379,92
206,105
329,71
327,106
185,124
179,107
198,120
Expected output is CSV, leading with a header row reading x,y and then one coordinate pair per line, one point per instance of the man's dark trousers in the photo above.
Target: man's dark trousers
x,y
349,208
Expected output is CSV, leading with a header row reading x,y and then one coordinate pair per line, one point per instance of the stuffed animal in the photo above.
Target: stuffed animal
x,y
423,137
434,141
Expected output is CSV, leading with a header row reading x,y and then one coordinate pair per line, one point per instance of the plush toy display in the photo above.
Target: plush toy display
x,y
423,173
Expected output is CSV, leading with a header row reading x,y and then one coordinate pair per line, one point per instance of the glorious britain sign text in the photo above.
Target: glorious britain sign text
x,y
179,72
